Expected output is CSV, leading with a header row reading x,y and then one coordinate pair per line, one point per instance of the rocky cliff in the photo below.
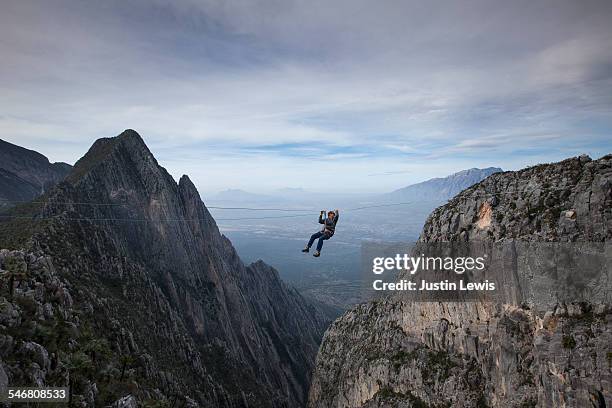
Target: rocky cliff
x,y
565,201
173,313
25,174
395,353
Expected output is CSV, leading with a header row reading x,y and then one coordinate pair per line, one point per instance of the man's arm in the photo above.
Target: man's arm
x,y
336,217
321,220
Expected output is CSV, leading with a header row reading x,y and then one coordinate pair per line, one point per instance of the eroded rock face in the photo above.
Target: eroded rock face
x,y
126,402
153,279
463,355
393,353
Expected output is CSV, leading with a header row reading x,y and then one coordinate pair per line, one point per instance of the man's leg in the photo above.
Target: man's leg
x,y
313,237
320,243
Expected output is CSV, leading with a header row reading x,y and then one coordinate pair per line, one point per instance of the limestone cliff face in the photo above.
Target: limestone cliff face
x,y
393,353
152,276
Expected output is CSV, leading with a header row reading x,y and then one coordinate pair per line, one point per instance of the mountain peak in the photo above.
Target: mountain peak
x,y
100,152
12,149
129,133
185,180
477,170
187,187
132,138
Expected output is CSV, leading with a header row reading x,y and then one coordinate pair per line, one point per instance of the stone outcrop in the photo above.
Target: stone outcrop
x,y
562,202
170,310
394,353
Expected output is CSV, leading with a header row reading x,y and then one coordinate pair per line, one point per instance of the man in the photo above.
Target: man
x,y
329,227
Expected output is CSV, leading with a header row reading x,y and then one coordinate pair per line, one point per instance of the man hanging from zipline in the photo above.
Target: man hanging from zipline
x,y
329,227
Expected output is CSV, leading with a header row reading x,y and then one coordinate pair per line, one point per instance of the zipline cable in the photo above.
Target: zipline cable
x,y
309,214
212,206
120,204
137,219
310,211
485,194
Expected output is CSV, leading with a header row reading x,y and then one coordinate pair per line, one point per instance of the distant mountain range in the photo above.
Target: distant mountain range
x,y
443,188
288,195
237,195
435,190
25,174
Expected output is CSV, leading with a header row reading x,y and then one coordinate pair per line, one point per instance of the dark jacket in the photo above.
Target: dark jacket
x,y
329,226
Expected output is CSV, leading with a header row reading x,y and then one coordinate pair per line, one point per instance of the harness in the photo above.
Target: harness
x,y
329,227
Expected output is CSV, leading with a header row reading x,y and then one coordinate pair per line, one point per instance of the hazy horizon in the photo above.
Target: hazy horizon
x,y
211,194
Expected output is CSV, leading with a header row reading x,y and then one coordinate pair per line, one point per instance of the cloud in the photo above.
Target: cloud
x,y
389,173
350,87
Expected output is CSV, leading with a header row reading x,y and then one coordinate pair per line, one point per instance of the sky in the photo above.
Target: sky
x,y
353,95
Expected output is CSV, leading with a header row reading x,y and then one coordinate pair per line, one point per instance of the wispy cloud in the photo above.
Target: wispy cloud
x,y
389,173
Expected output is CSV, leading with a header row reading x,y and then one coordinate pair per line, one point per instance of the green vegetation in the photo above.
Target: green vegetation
x,y
159,404
526,378
499,217
531,402
482,402
78,351
18,224
79,366
433,364
568,342
586,318
437,363
15,271
403,357
387,394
